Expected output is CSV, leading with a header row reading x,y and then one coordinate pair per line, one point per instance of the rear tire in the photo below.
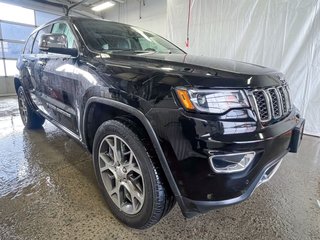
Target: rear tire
x,y
139,201
29,117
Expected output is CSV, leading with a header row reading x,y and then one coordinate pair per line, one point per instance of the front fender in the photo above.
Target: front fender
x,y
152,135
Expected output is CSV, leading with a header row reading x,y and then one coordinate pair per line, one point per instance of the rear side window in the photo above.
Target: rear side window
x,y
44,30
28,46
63,28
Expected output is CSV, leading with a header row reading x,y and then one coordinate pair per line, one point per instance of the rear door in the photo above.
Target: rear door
x,y
25,66
35,57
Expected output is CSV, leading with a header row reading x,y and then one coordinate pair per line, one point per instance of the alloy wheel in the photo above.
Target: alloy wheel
x,y
121,174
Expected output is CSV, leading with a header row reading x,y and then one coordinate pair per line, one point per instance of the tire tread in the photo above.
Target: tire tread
x,y
164,200
34,120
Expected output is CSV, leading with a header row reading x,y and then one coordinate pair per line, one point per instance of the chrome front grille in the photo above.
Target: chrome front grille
x,y
271,103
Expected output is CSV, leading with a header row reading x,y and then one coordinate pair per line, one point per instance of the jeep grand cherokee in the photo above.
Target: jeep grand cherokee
x,y
163,126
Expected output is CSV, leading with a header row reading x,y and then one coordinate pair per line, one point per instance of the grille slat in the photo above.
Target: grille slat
x,y
275,103
284,93
261,99
272,103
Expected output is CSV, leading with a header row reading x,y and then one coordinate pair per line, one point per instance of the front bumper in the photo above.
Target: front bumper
x,y
187,141
194,207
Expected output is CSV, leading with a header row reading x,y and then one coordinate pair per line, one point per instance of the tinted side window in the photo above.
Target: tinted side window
x,y
28,46
63,28
44,30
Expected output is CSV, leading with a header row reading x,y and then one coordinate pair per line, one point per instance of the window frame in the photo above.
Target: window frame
x,y
26,43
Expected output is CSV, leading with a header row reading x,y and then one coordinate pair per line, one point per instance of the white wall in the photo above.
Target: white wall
x,y
6,86
153,15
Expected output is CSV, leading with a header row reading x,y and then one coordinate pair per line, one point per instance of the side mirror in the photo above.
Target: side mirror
x,y
56,43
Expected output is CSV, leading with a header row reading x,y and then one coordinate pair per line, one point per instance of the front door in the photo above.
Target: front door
x,y
57,82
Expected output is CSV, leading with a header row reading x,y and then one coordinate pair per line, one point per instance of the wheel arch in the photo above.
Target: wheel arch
x,y
17,83
143,121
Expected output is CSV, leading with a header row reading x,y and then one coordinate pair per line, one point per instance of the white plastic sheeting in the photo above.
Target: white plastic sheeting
x,y
281,34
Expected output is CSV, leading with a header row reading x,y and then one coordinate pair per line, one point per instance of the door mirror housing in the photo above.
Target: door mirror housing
x,y
56,43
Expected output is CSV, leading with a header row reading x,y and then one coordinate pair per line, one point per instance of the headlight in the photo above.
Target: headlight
x,y
212,101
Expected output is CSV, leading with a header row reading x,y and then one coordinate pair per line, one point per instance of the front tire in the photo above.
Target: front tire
x,y
128,176
30,119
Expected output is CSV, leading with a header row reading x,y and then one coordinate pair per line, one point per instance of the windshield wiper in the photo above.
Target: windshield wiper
x,y
128,50
145,51
118,50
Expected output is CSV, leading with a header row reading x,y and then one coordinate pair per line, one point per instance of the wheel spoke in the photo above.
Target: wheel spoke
x,y
134,168
124,152
109,168
135,193
114,145
116,191
108,161
132,165
127,194
118,150
131,158
111,142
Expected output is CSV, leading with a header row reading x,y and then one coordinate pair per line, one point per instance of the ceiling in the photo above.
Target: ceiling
x,y
83,7
82,3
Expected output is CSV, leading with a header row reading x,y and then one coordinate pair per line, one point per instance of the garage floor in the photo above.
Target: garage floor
x,y
48,191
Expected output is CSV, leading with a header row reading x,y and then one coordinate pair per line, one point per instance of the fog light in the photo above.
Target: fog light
x,y
230,162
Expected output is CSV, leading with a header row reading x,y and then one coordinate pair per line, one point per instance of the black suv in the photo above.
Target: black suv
x,y
163,126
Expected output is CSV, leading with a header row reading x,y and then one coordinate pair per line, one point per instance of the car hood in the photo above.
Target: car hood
x,y
200,71
226,65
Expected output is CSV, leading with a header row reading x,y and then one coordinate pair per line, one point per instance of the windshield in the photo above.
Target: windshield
x,y
104,36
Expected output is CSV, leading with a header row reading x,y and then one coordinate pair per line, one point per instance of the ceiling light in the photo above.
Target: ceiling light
x,y
103,6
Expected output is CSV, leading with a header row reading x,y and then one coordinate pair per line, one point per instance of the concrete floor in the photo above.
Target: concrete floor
x,y
48,191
